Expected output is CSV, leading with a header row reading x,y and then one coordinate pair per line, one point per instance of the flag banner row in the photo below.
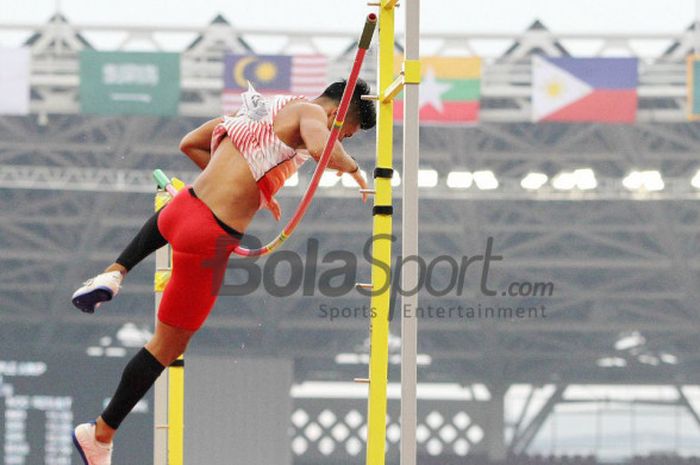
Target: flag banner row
x,y
563,89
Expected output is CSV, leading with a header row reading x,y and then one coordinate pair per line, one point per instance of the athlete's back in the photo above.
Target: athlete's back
x,y
253,132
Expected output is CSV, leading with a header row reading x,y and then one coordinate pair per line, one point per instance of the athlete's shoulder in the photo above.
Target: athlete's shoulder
x,y
310,110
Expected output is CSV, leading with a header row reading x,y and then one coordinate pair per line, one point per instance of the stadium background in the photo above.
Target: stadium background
x,y
610,375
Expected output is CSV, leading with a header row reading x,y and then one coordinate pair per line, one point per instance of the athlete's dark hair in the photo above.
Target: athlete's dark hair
x,y
361,111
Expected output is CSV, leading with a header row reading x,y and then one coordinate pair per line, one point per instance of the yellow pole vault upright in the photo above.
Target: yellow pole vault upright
x,y
381,249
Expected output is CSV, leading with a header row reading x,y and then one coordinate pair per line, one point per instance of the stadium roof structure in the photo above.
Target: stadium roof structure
x,y
506,79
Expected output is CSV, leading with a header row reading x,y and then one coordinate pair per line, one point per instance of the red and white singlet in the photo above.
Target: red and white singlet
x,y
270,160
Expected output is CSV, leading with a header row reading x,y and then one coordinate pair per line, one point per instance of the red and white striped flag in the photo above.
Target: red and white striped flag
x,y
271,75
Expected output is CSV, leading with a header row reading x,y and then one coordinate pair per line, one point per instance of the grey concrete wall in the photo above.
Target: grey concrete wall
x,y
237,411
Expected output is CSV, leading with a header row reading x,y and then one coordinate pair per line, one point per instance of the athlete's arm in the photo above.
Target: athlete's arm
x,y
313,130
312,126
197,144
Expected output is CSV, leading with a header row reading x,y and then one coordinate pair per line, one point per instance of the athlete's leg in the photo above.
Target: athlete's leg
x,y
105,286
187,300
166,345
148,240
94,440
201,247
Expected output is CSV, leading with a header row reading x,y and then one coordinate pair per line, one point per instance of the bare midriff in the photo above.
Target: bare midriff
x,y
228,187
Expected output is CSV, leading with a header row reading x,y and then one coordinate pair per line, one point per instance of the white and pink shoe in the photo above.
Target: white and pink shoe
x,y
94,291
90,449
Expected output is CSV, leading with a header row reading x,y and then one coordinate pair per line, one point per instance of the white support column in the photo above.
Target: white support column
x,y
160,413
409,231
495,429
160,389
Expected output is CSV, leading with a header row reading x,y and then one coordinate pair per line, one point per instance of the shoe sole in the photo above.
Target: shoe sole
x,y
87,302
80,449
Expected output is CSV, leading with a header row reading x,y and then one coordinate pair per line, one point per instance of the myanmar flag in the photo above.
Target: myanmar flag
x,y
449,91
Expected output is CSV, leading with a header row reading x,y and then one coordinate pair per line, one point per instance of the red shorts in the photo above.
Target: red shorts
x,y
201,245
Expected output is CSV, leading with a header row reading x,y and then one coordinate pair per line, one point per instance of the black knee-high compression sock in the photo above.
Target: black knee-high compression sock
x,y
148,240
138,377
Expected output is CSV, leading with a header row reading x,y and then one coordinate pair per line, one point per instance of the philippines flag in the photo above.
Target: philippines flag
x,y
584,89
272,74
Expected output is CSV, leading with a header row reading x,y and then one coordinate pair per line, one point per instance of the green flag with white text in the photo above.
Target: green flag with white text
x,y
129,83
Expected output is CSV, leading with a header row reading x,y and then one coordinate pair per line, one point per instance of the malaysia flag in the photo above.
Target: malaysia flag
x,y
272,74
584,89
